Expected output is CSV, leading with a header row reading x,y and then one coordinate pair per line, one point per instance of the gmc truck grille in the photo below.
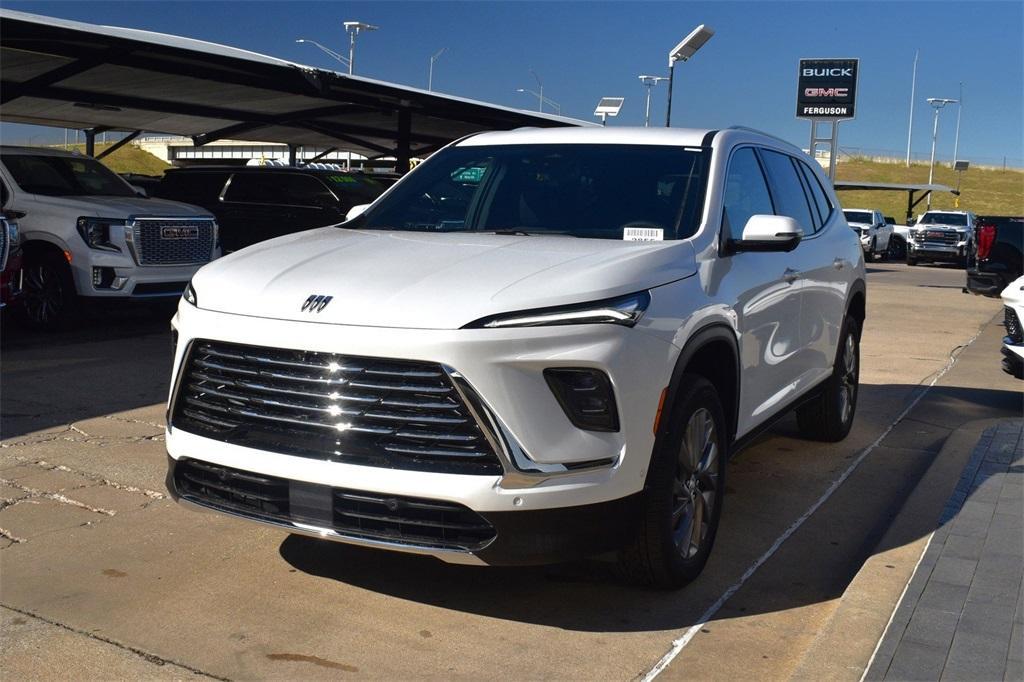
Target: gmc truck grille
x,y
1012,324
5,244
357,514
399,414
943,237
173,242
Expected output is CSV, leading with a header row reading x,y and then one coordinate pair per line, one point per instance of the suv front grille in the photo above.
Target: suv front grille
x,y
372,516
944,237
1012,324
399,414
5,244
161,241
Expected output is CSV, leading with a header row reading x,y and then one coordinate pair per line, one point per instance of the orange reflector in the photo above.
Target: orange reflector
x,y
67,255
661,404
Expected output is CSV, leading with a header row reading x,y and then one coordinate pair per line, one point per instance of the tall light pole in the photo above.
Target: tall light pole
x,y
937,103
433,58
913,86
540,95
543,100
682,52
649,83
354,28
959,108
341,58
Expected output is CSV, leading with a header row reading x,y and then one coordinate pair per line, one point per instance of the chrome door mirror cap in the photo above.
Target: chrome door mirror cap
x,y
769,233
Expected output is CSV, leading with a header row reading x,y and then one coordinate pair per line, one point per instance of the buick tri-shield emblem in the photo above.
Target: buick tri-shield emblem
x,y
315,303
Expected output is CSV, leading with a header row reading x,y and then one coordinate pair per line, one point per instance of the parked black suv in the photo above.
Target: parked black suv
x,y
255,203
996,259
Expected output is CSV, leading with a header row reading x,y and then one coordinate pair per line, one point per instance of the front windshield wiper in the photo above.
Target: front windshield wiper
x,y
517,232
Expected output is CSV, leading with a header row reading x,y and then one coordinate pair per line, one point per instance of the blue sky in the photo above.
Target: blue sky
x,y
745,75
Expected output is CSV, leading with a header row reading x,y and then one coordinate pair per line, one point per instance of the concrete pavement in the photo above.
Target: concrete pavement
x,y
102,555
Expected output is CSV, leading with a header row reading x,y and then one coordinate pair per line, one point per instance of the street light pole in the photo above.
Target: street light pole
x,y
540,97
959,108
913,86
433,58
682,52
341,58
649,83
937,103
353,28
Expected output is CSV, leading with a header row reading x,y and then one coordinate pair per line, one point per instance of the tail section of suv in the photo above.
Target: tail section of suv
x,y
941,237
541,344
995,258
87,234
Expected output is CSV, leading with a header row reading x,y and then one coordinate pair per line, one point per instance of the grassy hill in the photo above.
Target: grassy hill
x,y
983,190
127,159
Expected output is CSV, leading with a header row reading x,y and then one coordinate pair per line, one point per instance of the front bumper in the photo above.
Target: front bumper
x,y
1013,358
543,506
131,281
519,538
938,252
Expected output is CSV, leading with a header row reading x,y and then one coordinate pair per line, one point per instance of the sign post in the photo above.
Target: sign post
x,y
827,94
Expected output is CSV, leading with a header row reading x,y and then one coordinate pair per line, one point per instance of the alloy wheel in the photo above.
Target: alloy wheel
x,y
848,379
695,488
43,294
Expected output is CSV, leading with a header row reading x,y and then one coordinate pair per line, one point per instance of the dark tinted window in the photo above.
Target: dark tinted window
x,y
956,219
787,189
586,190
352,189
197,188
61,176
864,217
817,193
292,189
746,193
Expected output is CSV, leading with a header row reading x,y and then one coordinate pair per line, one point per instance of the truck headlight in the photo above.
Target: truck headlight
x,y
13,236
96,232
624,310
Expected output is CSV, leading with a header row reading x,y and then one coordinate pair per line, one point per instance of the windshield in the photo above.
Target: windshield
x,y
595,191
354,189
959,219
857,217
61,176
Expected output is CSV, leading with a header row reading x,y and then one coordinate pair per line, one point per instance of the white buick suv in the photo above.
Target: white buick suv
x,y
538,345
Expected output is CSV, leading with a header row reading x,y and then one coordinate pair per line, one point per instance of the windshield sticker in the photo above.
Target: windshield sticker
x,y
643,234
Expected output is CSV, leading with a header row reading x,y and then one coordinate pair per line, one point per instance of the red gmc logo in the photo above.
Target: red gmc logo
x,y
826,92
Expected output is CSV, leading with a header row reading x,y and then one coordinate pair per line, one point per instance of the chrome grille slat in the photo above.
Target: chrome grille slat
x,y
403,414
388,518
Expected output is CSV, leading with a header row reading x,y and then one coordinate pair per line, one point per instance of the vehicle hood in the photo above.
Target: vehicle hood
x,y
429,280
940,226
120,207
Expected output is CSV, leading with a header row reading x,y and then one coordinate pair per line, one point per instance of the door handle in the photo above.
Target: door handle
x,y
790,275
838,263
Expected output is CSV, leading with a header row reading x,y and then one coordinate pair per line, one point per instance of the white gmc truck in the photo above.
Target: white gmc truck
x,y
87,235
538,345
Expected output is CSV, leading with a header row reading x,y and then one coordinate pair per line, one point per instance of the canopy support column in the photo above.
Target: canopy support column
x,y
403,153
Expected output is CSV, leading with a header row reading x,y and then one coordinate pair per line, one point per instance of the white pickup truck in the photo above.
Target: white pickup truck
x,y
874,232
86,234
941,237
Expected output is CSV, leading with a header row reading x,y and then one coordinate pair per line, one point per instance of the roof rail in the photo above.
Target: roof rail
x,y
759,132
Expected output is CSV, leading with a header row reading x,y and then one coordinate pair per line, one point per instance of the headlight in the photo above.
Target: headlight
x,y
13,237
624,310
190,295
96,232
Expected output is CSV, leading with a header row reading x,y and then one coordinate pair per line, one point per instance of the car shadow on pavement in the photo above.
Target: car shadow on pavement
x,y
814,565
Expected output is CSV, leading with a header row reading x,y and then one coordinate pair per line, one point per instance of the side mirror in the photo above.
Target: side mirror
x,y
356,211
769,233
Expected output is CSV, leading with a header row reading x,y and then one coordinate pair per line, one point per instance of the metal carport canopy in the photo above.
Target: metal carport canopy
x,y
910,189
69,74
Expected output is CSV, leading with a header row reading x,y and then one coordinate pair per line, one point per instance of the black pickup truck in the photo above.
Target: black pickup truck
x,y
995,259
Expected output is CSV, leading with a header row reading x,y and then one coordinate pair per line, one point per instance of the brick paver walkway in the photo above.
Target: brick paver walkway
x,y
961,616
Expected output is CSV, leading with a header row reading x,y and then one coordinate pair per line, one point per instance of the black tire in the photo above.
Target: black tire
x,y
911,260
48,301
872,254
883,255
829,415
683,496
897,249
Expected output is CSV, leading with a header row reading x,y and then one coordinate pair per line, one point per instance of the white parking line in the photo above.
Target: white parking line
x,y
679,644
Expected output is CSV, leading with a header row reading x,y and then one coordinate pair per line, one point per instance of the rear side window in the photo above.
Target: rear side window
x,y
196,188
818,196
788,190
746,193
290,189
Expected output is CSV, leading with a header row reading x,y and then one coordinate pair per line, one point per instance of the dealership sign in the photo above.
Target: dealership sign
x,y
826,88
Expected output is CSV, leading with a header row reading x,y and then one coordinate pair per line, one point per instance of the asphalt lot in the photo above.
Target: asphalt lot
x,y
99,565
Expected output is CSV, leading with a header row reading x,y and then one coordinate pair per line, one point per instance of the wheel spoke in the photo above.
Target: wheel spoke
x,y
696,527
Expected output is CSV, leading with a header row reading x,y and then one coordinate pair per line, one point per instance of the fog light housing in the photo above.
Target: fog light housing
x,y
586,396
102,277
